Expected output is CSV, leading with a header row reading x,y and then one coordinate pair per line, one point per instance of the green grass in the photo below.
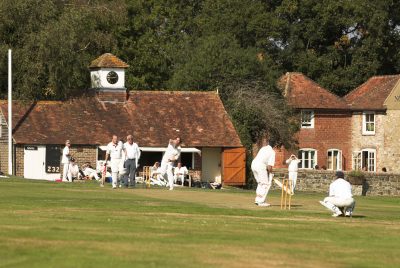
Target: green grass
x,y
47,224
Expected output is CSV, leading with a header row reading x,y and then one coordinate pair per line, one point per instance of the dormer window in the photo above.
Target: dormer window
x,y
368,125
307,119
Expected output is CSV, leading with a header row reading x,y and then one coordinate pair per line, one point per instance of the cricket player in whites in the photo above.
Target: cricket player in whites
x,y
293,163
169,159
340,199
114,150
262,169
66,156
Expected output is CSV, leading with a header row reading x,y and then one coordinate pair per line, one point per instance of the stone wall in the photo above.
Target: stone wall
x,y
377,184
391,153
197,162
19,160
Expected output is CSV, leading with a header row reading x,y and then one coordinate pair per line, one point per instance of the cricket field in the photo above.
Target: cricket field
x,y
50,224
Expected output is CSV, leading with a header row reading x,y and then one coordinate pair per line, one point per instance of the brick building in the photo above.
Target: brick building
x,y
210,142
359,131
324,138
375,107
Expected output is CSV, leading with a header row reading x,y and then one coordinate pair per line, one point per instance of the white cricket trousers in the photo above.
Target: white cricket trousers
x,y
293,179
180,177
65,172
337,202
166,170
115,166
263,181
340,202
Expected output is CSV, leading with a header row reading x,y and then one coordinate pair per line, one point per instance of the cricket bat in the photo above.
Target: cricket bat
x,y
103,174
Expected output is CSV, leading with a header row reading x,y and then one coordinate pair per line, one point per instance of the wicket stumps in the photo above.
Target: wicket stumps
x,y
286,197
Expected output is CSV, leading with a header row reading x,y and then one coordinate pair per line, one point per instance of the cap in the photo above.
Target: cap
x,y
340,174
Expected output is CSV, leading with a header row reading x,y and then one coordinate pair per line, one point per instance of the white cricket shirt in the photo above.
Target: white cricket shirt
x,y
171,152
65,158
115,150
266,156
132,151
340,188
293,164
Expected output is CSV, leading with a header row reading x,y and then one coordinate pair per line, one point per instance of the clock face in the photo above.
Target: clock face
x,y
112,77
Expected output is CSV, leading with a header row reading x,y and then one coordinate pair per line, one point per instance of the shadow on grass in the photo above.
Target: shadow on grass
x,y
358,216
292,206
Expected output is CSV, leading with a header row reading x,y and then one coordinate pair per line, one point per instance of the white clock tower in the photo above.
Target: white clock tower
x,y
107,76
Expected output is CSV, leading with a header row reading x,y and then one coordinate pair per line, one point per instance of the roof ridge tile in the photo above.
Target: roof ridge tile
x,y
373,89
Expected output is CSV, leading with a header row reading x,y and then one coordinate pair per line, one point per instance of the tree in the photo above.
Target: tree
x,y
51,57
339,44
257,110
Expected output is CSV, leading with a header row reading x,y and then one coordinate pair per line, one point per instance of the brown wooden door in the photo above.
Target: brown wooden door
x,y
234,166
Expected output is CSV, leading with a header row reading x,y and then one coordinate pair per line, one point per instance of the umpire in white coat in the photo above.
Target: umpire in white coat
x,y
293,163
131,162
114,150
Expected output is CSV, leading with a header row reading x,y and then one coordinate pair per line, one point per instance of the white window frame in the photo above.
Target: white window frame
x,y
301,156
307,124
359,160
339,159
365,130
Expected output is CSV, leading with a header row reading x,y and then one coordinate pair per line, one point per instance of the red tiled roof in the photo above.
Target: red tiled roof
x,y
108,60
152,117
303,93
372,94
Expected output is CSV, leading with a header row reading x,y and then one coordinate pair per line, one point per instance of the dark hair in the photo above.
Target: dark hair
x,y
340,174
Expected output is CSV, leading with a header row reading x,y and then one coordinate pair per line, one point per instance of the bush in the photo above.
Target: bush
x,y
356,177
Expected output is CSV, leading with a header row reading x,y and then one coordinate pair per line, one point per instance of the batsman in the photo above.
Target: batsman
x,y
262,169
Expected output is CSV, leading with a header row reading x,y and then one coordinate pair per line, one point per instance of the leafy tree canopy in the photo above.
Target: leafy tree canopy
x,y
201,45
